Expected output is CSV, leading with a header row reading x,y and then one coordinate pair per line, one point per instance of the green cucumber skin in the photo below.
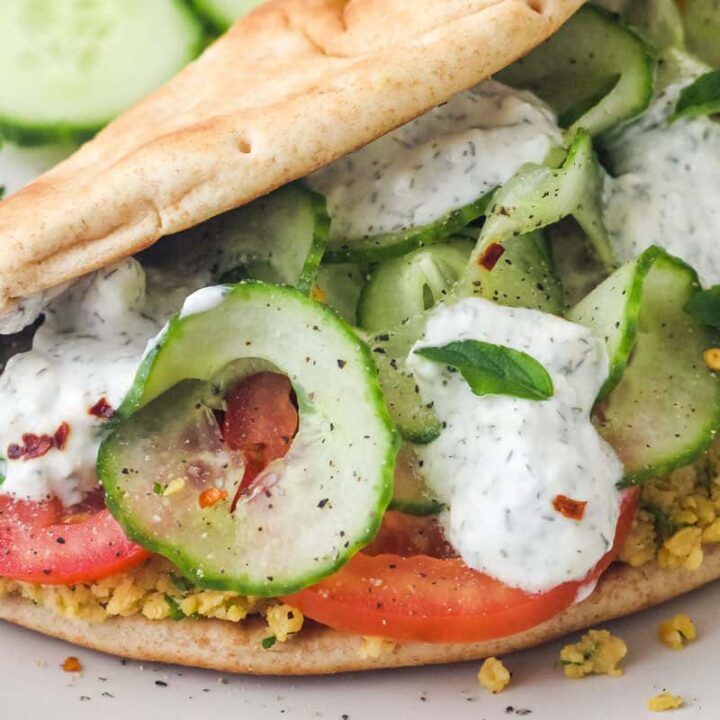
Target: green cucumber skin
x,y
219,15
318,248
391,245
139,398
541,71
381,291
630,281
416,507
29,133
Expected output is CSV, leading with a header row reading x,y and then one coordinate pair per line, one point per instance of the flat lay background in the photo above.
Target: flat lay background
x,y
32,684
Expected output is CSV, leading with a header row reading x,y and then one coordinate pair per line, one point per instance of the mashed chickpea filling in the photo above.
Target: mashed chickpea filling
x,y
155,591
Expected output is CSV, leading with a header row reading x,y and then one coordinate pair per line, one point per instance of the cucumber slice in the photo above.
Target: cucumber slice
x,y
221,14
659,21
539,195
524,276
334,483
575,262
69,67
377,248
410,494
414,419
660,404
595,72
403,287
339,287
702,28
278,238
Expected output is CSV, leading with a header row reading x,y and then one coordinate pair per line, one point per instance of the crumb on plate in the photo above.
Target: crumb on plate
x,y
71,664
596,653
664,701
493,675
677,632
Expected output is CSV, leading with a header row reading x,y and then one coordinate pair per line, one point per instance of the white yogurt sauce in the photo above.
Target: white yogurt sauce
x,y
667,189
439,162
500,461
203,300
88,348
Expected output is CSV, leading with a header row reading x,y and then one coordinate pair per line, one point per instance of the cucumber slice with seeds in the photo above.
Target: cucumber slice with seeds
x,y
594,71
278,238
70,67
660,406
335,481
403,287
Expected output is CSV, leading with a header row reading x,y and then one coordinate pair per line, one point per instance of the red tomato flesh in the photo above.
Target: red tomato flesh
x,y
260,421
436,599
40,542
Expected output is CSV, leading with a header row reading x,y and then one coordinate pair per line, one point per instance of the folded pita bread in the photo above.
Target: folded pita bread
x,y
290,88
221,645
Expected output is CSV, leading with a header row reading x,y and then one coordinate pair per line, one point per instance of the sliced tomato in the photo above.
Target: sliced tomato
x,y
41,542
261,420
407,596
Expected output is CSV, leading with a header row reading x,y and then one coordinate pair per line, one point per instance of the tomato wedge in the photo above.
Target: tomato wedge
x,y
40,542
436,599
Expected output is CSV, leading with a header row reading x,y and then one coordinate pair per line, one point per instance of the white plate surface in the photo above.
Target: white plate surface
x,y
32,684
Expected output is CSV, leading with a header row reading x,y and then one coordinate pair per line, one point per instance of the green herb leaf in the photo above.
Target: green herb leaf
x,y
704,306
494,369
701,97
3,190
158,489
175,612
181,583
268,642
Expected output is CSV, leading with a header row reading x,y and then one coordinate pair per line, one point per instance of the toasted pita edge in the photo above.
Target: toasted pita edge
x,y
250,115
316,650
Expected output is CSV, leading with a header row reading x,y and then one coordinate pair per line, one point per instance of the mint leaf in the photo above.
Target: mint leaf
x,y
494,369
704,306
268,642
701,97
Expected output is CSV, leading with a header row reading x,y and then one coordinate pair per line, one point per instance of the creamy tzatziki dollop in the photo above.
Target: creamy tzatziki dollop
x,y
500,462
86,352
667,188
441,161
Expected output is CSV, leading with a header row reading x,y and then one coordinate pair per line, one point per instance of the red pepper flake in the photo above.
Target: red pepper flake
x,y
571,509
61,435
71,664
211,496
492,254
102,409
35,446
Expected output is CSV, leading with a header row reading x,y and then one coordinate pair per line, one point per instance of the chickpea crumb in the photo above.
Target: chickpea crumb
x,y
711,357
493,675
664,701
71,664
677,632
373,647
211,496
597,653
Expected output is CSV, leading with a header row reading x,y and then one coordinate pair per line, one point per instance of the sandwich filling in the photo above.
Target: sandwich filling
x,y
409,396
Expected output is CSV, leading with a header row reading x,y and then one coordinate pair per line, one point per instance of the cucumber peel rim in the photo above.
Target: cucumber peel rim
x,y
628,363
167,360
